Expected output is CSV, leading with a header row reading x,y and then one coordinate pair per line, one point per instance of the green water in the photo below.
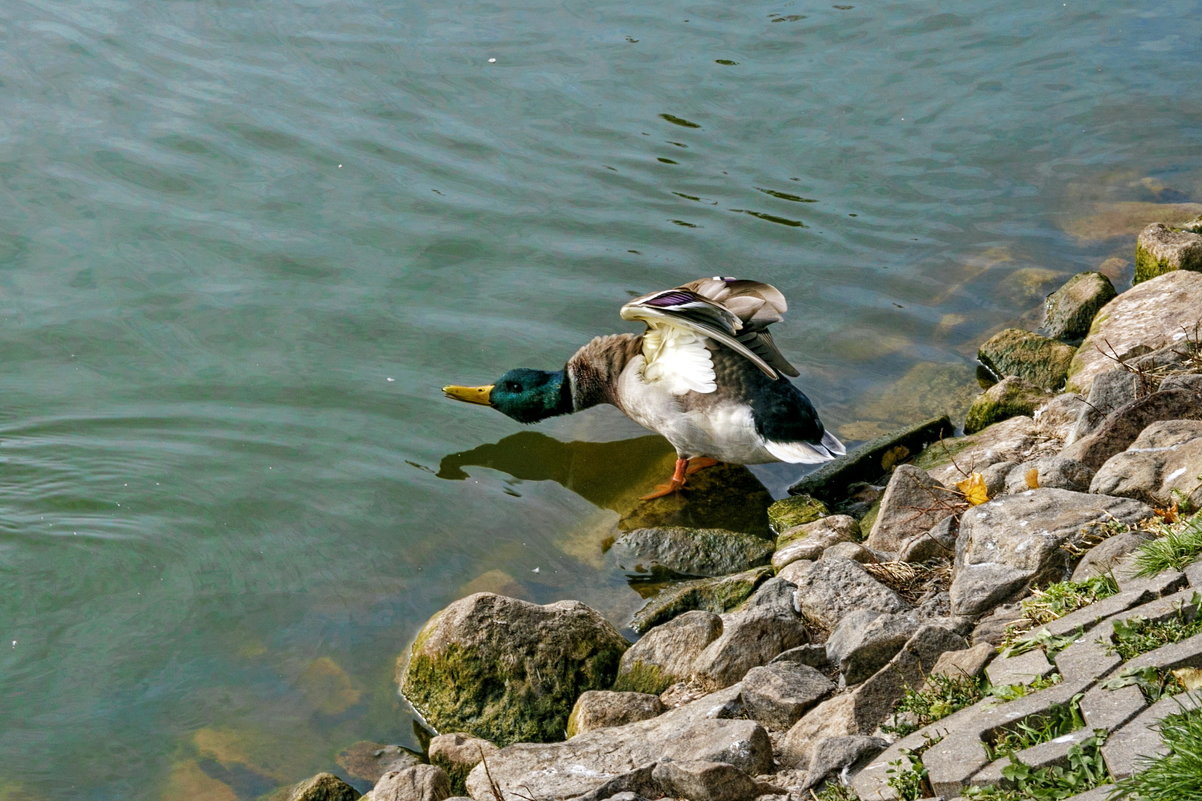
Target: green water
x,y
243,244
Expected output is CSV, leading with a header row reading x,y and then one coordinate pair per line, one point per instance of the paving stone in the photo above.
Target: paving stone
x,y
1109,709
1087,658
1140,737
1165,581
1022,669
1193,574
1089,616
961,754
1054,752
873,781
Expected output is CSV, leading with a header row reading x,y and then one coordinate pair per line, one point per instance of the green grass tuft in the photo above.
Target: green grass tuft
x,y
1178,545
1177,774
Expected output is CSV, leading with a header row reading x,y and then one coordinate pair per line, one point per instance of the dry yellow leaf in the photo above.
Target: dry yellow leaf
x,y
1033,478
1190,678
973,488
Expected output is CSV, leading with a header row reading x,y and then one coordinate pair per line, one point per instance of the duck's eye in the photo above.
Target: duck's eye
x,y
512,386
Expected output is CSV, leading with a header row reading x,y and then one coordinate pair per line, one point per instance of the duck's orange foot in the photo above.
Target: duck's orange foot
x,y
662,490
699,463
676,483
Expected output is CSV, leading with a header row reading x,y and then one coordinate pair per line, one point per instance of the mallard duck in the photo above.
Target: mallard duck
x,y
705,374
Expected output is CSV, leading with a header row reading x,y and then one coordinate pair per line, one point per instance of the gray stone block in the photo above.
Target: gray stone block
x,y
1086,659
1140,737
1022,669
1109,709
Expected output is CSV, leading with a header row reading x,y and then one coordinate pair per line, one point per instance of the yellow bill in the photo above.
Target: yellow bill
x,y
478,395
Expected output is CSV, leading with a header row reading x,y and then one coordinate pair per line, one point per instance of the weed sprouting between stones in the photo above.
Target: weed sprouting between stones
x,y
1084,770
945,694
1176,546
1056,721
1051,603
1155,683
1138,635
908,775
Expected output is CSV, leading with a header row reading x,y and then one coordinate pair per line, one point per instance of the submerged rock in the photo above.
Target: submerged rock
x,y
1069,310
689,551
1142,319
1161,249
370,761
712,595
1015,352
1010,397
508,670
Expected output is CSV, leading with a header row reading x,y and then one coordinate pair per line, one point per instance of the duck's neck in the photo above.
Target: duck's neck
x,y
594,369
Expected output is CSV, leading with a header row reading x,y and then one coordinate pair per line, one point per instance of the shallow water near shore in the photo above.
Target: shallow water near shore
x,y
242,245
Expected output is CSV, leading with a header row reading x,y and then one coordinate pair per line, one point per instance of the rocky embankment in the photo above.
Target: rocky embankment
x,y
814,664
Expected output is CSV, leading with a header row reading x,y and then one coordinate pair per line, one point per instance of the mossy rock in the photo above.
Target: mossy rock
x,y
710,595
508,670
1161,249
795,511
1008,398
1042,361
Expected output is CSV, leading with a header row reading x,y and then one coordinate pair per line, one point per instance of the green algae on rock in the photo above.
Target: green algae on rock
x,y
1010,397
1161,249
709,595
794,511
508,670
1042,361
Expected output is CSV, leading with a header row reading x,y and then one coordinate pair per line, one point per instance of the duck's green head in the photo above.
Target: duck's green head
x,y
525,395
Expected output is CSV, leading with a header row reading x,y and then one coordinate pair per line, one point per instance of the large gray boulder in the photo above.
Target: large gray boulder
x,y
829,589
1014,352
1120,428
912,503
1013,542
767,624
597,709
1142,319
865,640
1162,466
322,787
1017,439
559,771
508,670
689,551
